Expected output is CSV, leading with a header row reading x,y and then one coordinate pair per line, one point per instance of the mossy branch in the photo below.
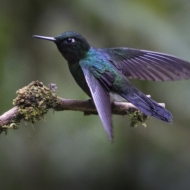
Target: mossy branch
x,y
34,101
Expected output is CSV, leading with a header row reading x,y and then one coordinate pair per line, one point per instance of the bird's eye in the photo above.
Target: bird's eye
x,y
69,40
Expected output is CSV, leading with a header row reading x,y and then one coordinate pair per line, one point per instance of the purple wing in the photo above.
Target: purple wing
x,y
101,99
148,65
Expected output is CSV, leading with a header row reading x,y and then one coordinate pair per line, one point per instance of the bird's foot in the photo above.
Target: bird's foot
x,y
91,102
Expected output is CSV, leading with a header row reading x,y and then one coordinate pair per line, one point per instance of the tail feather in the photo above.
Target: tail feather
x,y
144,104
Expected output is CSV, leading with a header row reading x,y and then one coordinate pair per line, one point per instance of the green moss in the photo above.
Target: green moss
x,y
34,101
137,117
13,125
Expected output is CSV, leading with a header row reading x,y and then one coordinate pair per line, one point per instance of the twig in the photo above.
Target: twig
x,y
34,100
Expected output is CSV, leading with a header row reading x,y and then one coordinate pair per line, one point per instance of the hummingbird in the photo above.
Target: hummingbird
x,y
102,71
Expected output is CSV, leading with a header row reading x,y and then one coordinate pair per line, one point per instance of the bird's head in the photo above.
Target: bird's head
x,y
73,46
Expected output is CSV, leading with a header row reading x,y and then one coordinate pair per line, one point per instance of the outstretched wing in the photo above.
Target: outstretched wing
x,y
101,97
148,65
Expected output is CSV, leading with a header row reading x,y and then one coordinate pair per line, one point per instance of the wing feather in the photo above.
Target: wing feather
x,y
101,99
147,65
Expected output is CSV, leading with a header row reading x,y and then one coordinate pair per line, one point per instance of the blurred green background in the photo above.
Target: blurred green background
x,y
68,150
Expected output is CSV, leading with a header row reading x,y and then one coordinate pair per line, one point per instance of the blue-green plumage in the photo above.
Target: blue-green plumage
x,y
101,71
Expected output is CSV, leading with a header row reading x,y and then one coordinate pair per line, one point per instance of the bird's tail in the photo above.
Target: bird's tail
x,y
143,103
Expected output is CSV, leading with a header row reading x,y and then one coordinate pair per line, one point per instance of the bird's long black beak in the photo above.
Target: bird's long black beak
x,y
45,38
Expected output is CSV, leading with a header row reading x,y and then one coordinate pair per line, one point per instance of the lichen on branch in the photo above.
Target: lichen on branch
x,y
34,101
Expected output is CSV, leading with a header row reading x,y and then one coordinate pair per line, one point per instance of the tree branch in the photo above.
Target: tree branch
x,y
34,101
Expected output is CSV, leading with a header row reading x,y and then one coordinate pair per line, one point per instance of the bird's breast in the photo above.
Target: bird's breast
x,y
78,75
